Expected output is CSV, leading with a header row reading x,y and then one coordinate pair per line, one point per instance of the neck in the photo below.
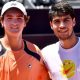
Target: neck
x,y
12,43
69,43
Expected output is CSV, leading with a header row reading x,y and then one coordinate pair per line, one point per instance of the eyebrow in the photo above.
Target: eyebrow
x,y
18,15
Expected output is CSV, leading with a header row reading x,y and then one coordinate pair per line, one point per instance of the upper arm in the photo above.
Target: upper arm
x,y
43,74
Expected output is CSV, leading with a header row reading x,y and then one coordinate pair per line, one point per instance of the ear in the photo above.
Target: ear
x,y
74,22
1,21
26,20
51,25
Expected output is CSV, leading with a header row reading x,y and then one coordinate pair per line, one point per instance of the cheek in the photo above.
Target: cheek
x,y
71,26
55,30
5,24
54,27
22,25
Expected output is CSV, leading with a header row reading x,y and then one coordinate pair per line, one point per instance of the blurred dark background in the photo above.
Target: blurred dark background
x,y
38,29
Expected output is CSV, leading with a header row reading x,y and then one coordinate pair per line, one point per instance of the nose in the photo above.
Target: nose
x,y
62,25
14,21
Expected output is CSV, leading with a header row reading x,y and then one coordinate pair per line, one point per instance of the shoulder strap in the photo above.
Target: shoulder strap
x,y
35,55
2,49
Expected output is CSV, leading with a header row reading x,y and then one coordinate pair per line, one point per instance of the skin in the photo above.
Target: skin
x,y
13,24
63,29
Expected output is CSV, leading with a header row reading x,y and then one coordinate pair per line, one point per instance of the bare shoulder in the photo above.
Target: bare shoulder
x,y
33,47
41,67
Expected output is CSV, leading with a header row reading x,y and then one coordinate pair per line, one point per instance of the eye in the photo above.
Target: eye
x,y
9,18
67,20
56,21
20,18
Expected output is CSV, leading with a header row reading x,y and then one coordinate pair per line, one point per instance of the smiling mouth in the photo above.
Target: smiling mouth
x,y
14,30
63,31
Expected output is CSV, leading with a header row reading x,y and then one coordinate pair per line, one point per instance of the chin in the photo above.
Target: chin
x,y
64,38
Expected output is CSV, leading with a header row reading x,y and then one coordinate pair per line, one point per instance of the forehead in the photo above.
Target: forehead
x,y
13,11
62,17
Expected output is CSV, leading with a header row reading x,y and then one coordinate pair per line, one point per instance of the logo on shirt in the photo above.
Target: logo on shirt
x,y
68,68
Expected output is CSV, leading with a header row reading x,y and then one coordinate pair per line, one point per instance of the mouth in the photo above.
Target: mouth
x,y
14,30
63,31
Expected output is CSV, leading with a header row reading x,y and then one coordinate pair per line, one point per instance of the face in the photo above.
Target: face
x,y
13,22
63,26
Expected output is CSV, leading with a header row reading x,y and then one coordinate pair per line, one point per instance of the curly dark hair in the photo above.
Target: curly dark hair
x,y
61,8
